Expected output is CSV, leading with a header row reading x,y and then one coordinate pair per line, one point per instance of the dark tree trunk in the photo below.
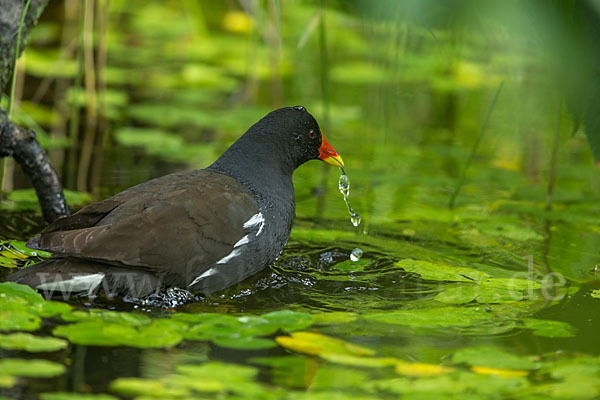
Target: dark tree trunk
x,y
14,140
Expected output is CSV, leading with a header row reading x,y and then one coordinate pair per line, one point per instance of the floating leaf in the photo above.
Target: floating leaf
x,y
21,307
100,333
493,357
442,317
289,320
317,344
7,381
31,368
24,292
573,367
503,373
461,384
421,369
356,361
18,320
155,389
441,272
329,318
31,343
549,328
245,343
75,396
98,315
457,294
235,378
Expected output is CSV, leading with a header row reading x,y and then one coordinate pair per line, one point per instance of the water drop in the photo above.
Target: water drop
x,y
356,254
344,186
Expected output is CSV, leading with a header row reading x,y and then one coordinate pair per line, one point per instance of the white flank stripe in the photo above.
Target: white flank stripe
x,y
228,257
205,274
242,241
262,225
80,283
254,220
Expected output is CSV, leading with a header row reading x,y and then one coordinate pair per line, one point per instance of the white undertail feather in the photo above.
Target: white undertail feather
x,y
78,283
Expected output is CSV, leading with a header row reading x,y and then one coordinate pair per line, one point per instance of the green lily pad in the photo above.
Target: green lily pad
x,y
31,368
23,292
493,357
98,315
447,386
245,343
20,246
441,272
573,367
330,318
234,378
154,389
100,333
352,266
549,328
363,362
457,294
75,396
289,321
31,343
21,307
317,344
18,320
7,381
441,317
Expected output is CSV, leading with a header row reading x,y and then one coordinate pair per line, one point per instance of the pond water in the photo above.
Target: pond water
x,y
452,302
496,297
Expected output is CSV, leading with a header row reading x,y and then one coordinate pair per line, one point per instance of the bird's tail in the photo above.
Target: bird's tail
x,y
66,277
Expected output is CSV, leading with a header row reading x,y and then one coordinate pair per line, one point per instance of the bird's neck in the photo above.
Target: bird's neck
x,y
261,169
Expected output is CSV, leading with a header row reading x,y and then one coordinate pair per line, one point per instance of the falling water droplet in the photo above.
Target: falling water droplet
x,y
344,186
356,254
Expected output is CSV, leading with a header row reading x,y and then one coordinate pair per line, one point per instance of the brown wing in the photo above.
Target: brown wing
x,y
184,222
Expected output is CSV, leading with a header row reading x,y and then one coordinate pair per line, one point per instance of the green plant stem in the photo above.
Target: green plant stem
x,y
13,83
89,135
324,70
552,175
75,118
461,179
278,15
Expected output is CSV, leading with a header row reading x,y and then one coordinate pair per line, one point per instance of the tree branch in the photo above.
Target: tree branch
x,y
15,141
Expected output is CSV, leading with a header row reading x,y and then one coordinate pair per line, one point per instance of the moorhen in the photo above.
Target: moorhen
x,y
201,230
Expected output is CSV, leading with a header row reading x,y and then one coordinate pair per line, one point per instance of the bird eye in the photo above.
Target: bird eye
x,y
312,134
299,108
